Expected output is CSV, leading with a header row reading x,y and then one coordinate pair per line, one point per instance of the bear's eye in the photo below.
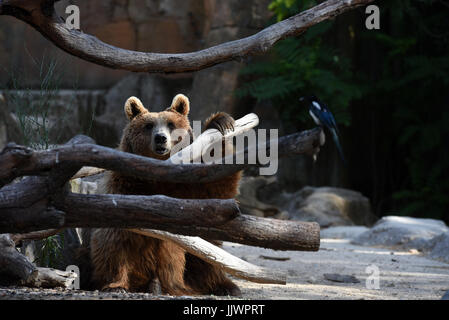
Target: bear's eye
x,y
171,125
149,126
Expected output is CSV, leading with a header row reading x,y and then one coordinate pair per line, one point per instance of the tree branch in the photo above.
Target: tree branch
x,y
219,257
43,18
127,211
16,161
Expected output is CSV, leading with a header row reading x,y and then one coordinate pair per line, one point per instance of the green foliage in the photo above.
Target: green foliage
x,y
401,75
302,66
51,251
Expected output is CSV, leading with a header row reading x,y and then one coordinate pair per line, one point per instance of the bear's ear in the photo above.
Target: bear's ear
x,y
180,104
134,107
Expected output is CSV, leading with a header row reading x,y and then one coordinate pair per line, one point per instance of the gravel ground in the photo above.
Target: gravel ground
x,y
402,275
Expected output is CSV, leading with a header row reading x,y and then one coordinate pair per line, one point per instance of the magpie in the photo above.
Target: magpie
x,y
324,118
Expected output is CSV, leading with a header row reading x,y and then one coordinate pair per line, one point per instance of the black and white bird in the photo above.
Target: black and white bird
x,y
324,118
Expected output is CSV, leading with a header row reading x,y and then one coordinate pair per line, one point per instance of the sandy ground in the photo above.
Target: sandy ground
x,y
402,275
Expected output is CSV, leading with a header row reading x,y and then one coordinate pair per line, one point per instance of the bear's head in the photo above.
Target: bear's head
x,y
150,133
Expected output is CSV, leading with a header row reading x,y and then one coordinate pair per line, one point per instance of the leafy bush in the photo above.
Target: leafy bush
x,y
397,86
301,66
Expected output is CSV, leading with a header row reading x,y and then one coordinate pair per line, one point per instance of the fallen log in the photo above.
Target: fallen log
x,y
260,232
15,269
69,210
219,257
14,266
52,278
126,211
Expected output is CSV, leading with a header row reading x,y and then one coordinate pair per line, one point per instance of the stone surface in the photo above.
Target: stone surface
x,y
213,88
120,34
328,206
9,129
438,247
409,277
148,25
344,278
343,232
249,202
404,232
67,113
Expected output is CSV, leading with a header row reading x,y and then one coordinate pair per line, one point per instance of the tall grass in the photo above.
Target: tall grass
x,y
33,107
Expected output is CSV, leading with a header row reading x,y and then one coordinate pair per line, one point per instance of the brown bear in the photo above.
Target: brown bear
x,y
125,260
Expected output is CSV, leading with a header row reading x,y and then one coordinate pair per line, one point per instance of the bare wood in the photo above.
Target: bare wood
x,y
113,210
18,161
25,205
194,151
41,16
35,235
52,278
256,231
127,211
86,172
14,267
219,257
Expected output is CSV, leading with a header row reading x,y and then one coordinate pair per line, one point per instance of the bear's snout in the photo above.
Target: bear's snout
x,y
160,138
161,145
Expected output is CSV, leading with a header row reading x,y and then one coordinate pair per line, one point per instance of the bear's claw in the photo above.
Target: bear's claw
x,y
221,121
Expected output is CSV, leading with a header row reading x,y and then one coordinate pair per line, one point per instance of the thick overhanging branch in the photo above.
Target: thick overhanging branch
x,y
16,161
41,15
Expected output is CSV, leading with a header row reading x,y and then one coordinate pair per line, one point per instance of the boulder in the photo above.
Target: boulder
x,y
329,206
405,232
438,247
342,232
249,202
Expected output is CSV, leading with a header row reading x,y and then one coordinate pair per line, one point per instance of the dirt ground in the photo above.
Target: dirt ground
x,y
402,275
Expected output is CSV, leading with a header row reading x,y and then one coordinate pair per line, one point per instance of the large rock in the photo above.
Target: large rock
x,y
249,202
404,232
438,247
342,232
329,206
65,114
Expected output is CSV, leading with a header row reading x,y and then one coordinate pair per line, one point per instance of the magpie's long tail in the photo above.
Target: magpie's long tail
x,y
337,143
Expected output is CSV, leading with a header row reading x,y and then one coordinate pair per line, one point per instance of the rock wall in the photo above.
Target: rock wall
x,y
143,25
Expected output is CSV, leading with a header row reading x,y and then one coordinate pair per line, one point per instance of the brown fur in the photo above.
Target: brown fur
x,y
124,260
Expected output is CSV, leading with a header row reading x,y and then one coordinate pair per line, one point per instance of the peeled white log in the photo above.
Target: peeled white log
x,y
194,152
219,257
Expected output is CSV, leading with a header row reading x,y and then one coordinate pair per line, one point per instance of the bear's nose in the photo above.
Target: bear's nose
x,y
160,138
